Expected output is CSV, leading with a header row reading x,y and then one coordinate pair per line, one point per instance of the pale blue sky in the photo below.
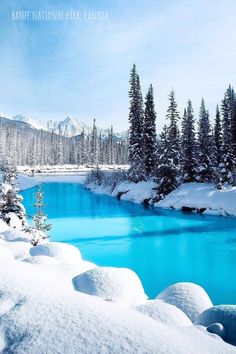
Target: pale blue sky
x,y
52,69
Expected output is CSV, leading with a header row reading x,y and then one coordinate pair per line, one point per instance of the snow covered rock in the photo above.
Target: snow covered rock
x,y
164,313
217,328
188,297
111,284
63,252
20,250
136,192
41,260
224,315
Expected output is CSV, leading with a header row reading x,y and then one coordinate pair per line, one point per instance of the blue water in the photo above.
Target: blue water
x,y
162,246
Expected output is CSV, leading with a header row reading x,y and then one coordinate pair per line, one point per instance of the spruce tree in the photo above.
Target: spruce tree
x,y
168,165
205,167
150,134
11,199
136,172
166,170
227,165
39,231
188,145
218,136
94,144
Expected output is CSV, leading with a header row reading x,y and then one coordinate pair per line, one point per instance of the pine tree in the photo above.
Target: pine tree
x,y
39,232
227,165
150,134
168,165
205,167
166,170
136,172
94,144
218,136
188,145
111,147
10,199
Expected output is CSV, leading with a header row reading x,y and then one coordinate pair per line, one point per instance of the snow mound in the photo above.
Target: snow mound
x,y
111,284
3,226
74,269
164,313
224,315
202,195
61,251
5,251
135,192
41,260
20,250
188,297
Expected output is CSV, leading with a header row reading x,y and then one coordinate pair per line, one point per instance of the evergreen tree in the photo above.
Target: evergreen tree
x,y
205,167
218,136
136,172
168,170
39,232
10,199
150,134
94,145
230,97
227,165
111,147
188,145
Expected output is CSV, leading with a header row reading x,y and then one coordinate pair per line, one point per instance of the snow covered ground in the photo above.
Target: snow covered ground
x,y
196,196
52,301
66,169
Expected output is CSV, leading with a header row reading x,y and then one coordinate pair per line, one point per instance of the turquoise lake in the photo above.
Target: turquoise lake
x,y
162,246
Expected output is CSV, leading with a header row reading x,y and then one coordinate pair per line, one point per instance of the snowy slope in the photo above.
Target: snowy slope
x,y
202,195
41,312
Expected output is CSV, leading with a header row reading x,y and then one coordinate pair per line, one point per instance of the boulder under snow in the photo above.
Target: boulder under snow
x,y
63,252
224,315
164,313
192,299
111,284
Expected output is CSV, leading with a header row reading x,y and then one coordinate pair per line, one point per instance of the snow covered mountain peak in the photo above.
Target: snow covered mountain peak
x,y
70,126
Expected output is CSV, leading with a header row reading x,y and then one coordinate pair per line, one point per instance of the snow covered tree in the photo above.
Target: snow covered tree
x,y
39,232
168,164
205,167
227,165
166,169
94,144
11,209
111,147
136,172
188,145
150,134
218,136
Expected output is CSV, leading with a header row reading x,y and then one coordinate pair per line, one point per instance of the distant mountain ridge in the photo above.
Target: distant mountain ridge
x,y
70,126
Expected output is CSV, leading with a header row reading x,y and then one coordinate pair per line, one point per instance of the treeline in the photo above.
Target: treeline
x,y
22,145
188,150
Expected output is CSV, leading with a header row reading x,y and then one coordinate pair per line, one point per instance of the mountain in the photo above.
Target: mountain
x,y
70,126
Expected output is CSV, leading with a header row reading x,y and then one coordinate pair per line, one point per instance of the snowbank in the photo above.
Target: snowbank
x,y
41,312
164,313
188,297
111,284
135,192
61,251
202,196
225,315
